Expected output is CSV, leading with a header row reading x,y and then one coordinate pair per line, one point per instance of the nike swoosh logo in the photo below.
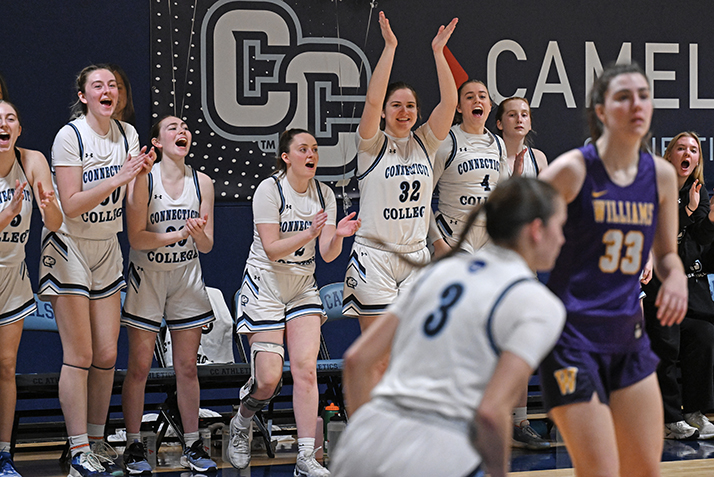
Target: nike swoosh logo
x,y
599,194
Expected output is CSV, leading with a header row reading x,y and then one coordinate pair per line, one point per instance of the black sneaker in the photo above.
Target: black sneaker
x,y
135,461
196,458
525,436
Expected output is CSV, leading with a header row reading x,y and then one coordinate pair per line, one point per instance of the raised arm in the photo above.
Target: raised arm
x,y
672,296
443,114
377,89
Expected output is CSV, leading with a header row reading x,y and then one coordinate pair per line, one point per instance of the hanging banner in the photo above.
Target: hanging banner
x,y
242,71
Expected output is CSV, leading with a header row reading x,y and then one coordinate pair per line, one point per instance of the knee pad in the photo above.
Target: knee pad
x,y
250,402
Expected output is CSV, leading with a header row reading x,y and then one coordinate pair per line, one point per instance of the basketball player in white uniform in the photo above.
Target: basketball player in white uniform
x,y
93,158
279,297
169,220
456,349
467,168
22,172
513,120
395,176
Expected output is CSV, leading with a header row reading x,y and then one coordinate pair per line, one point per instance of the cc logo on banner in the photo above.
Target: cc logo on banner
x,y
260,76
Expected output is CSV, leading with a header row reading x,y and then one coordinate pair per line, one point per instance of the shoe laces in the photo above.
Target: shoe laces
x,y
528,430
90,460
241,440
308,458
104,450
6,464
698,418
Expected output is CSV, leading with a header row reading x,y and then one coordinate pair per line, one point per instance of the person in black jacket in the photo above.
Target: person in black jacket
x,y
692,341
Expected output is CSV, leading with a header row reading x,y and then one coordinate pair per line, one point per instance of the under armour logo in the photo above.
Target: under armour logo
x,y
463,149
157,196
392,151
288,207
88,155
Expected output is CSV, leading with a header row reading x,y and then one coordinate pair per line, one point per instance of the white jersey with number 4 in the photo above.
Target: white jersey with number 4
x,y
467,168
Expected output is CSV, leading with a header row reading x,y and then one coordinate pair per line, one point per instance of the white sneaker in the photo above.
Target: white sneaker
x,y
680,431
700,421
239,446
307,466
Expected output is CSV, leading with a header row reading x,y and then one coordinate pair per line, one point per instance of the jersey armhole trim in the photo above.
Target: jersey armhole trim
x,y
423,148
376,161
453,150
79,139
280,191
489,321
150,178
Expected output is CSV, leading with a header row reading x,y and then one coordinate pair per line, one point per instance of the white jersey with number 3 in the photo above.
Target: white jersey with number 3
x,y
454,323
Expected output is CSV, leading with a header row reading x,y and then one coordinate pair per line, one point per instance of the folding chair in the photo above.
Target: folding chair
x,y
331,296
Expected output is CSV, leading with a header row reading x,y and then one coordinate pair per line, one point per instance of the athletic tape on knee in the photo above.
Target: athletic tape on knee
x,y
249,388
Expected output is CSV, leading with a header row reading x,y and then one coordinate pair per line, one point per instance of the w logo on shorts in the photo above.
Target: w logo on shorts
x,y
566,378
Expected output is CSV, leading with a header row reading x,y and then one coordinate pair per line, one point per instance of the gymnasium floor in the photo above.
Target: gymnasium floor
x,y
692,459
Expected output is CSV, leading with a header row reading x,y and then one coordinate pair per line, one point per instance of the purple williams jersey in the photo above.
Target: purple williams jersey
x,y
608,236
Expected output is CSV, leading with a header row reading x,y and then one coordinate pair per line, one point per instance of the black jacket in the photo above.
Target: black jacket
x,y
696,234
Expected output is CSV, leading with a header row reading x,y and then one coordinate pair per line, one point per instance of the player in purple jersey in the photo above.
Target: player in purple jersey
x,y
599,378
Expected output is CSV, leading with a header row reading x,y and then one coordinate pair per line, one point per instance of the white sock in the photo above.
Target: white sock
x,y
242,421
95,432
306,445
78,444
190,437
132,437
520,414
5,447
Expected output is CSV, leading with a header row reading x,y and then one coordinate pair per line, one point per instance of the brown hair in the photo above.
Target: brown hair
x,y
79,108
286,139
501,110
458,117
128,114
397,85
